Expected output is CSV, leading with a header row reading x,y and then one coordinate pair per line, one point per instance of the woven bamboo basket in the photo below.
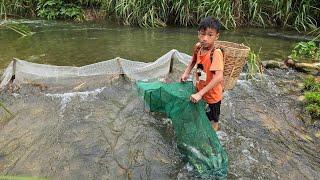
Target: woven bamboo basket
x,y
235,56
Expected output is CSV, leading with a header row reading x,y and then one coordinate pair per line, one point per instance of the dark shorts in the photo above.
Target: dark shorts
x,y
213,111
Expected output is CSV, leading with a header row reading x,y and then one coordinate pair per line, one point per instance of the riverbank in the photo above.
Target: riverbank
x,y
299,15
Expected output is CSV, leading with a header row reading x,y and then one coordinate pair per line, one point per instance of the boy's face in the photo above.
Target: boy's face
x,y
207,37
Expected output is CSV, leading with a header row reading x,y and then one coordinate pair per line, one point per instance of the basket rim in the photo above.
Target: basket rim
x,y
243,47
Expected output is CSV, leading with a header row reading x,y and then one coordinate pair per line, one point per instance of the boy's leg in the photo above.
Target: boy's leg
x,y
213,113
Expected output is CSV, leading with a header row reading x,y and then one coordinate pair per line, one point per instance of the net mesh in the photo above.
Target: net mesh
x,y
89,76
195,137
197,141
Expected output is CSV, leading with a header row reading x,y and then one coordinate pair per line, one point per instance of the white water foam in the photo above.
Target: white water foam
x,y
67,97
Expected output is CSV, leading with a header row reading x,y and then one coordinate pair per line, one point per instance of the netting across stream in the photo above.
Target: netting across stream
x,y
66,78
76,122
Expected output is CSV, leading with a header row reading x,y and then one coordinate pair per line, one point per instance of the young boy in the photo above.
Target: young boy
x,y
209,73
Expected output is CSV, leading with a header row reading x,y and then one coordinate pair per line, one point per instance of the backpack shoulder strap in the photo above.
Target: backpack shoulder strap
x,y
197,48
212,51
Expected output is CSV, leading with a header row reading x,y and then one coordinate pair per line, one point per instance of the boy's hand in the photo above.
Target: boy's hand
x,y
195,98
184,77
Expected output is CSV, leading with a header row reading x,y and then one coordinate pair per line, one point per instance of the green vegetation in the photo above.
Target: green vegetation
x,y
18,8
316,33
298,14
18,28
312,96
145,13
59,9
306,51
310,84
254,64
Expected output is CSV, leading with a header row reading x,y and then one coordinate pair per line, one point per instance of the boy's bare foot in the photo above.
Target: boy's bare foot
x,y
215,126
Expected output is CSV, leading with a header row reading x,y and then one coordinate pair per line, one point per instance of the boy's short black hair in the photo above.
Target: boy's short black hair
x,y
209,22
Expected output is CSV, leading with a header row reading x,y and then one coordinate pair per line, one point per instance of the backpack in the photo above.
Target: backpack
x,y
198,47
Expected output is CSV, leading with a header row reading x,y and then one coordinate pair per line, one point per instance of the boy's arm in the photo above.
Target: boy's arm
x,y
218,77
186,73
191,64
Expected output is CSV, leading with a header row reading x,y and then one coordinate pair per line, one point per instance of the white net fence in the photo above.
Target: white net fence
x,y
94,75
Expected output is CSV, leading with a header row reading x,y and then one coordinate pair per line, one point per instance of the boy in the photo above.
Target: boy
x,y
209,73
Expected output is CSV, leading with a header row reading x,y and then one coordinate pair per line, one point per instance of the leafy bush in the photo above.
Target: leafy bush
x,y
313,104
312,96
306,51
310,84
58,9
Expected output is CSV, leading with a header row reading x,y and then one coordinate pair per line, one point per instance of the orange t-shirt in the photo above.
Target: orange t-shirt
x,y
205,73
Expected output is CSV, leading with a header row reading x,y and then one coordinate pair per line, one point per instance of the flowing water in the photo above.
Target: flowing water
x,y
106,133
71,44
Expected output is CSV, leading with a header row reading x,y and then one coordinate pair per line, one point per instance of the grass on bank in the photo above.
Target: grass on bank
x,y
254,64
301,15
312,97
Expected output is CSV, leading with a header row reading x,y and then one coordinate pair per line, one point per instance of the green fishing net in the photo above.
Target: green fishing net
x,y
197,142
